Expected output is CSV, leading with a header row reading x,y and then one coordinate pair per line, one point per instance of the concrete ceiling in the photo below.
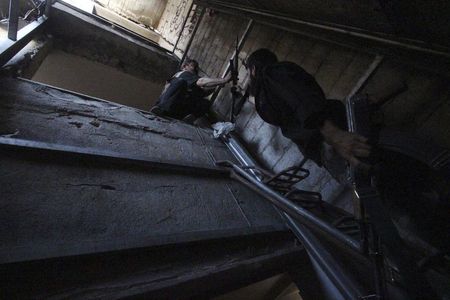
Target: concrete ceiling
x,y
421,20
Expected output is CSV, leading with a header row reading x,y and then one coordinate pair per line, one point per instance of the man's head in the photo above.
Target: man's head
x,y
259,59
190,65
255,63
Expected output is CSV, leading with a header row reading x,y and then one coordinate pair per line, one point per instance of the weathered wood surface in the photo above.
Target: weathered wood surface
x,y
54,208
193,271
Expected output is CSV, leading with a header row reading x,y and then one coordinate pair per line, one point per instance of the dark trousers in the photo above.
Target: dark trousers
x,y
178,101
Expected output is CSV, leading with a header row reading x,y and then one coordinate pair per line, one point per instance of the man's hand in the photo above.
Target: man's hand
x,y
346,144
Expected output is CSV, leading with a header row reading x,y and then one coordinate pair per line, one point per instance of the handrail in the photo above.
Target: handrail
x,y
334,272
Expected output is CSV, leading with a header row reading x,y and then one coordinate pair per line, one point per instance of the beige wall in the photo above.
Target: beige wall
x,y
147,12
94,79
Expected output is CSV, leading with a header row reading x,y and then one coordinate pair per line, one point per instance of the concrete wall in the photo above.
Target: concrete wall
x,y
147,12
81,35
91,58
84,76
337,69
171,24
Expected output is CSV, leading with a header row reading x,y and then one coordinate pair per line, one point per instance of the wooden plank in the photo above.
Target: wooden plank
x,y
53,210
196,270
40,113
55,207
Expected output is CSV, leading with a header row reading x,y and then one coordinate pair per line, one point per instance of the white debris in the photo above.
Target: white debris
x,y
222,128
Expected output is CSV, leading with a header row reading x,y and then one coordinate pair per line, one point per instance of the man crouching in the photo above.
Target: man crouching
x,y
184,96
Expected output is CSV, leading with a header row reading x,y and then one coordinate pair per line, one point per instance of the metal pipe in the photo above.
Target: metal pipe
x,y
183,26
238,151
296,211
197,25
13,19
348,31
345,285
64,151
315,250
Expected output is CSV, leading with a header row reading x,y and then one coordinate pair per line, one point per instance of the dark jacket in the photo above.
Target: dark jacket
x,y
288,97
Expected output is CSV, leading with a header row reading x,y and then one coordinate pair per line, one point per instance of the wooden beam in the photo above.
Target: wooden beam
x,y
41,149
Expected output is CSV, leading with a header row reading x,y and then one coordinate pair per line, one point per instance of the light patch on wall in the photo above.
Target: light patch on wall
x,y
85,5
81,75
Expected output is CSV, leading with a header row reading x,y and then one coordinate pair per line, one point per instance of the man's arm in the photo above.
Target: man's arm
x,y
206,82
348,145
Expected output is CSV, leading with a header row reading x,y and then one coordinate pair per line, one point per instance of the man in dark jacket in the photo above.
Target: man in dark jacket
x,y
184,93
288,97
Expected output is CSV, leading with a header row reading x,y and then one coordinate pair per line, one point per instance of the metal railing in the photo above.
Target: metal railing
x,y
19,38
295,217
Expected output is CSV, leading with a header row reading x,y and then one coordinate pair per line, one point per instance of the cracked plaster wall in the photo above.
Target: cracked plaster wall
x,y
172,21
147,12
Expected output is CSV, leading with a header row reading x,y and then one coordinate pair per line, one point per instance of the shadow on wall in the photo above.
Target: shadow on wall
x,y
91,78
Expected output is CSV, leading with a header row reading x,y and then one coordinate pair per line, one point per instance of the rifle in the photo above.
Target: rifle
x,y
234,69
